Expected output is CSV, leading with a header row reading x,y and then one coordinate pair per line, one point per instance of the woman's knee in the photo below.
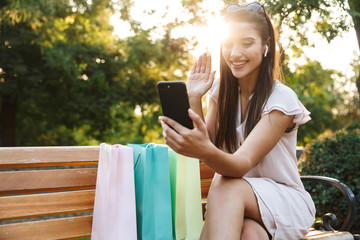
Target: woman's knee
x,y
225,185
253,230
225,190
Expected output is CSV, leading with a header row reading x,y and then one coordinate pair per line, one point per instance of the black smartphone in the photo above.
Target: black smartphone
x,y
175,102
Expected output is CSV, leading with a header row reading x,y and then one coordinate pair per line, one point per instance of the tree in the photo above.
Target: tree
x,y
316,90
296,13
148,61
60,72
67,75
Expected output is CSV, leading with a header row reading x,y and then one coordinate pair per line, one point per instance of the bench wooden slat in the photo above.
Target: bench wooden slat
x,y
64,228
38,205
205,186
47,180
205,171
325,235
16,157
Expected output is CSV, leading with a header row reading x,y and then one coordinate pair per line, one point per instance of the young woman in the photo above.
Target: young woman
x,y
248,137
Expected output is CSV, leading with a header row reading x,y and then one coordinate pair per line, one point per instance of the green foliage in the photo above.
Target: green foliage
x,y
74,83
55,73
315,88
336,155
296,13
349,110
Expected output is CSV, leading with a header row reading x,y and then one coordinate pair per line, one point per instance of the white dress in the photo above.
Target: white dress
x,y
287,210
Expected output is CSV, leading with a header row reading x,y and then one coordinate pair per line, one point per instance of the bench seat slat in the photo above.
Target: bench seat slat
x,y
205,186
64,228
325,235
205,171
39,205
47,180
16,157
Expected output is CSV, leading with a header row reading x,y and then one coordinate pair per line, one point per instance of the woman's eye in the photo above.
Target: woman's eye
x,y
247,44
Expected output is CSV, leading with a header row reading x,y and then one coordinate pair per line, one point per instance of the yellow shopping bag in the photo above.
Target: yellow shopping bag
x,y
188,213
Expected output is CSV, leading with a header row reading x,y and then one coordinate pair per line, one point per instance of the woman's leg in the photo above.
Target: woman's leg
x,y
230,200
253,230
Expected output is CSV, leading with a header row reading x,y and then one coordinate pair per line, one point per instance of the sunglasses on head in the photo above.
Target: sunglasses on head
x,y
255,6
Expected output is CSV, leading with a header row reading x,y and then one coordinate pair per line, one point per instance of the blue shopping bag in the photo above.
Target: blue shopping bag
x,y
152,192
173,180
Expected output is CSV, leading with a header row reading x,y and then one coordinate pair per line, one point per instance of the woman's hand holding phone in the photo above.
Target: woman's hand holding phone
x,y
188,142
201,78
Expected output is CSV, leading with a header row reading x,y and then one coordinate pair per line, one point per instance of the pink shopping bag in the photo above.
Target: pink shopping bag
x,y
114,208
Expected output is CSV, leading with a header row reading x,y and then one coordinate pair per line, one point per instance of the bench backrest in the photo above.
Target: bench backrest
x,y
41,186
48,192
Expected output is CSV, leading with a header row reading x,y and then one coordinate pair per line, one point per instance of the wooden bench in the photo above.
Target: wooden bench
x,y
48,193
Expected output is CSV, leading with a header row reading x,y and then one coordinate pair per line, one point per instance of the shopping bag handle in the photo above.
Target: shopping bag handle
x,y
137,160
151,144
148,145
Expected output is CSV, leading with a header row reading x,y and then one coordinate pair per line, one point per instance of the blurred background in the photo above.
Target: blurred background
x,y
82,72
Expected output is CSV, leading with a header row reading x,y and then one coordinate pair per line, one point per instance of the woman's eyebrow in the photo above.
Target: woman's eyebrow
x,y
248,38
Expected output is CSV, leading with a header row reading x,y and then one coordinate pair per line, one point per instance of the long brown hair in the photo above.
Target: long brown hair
x,y
227,105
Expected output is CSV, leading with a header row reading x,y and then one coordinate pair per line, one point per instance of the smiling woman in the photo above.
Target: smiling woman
x,y
248,136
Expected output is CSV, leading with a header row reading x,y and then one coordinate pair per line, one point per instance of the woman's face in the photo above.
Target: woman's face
x,y
242,50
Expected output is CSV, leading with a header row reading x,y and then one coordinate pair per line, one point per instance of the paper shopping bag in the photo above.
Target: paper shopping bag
x,y
114,208
153,194
188,219
173,170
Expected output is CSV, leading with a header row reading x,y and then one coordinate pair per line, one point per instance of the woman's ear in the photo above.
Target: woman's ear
x,y
267,47
266,50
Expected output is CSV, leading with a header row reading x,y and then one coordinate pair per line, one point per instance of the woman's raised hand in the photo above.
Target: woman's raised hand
x,y
201,77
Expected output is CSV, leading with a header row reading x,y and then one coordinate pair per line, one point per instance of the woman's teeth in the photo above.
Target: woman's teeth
x,y
238,63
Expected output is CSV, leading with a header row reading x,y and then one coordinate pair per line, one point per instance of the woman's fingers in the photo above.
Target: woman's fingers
x,y
203,65
204,62
171,136
197,120
172,144
208,65
193,68
198,65
179,129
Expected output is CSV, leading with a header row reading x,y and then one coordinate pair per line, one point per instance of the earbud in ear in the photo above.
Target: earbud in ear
x,y
266,50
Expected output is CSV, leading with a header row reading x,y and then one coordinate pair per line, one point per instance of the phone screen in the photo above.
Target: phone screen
x,y
175,102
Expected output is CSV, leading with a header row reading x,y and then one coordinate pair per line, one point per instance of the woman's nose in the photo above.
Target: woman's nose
x,y
236,51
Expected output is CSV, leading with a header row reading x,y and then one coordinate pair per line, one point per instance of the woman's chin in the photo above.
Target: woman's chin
x,y
238,75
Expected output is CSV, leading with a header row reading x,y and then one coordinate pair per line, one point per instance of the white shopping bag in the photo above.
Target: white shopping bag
x,y
114,209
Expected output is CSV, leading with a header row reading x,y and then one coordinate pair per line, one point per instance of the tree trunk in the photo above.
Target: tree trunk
x,y
355,5
8,122
357,30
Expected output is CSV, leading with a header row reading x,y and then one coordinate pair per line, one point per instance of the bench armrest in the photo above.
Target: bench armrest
x,y
330,219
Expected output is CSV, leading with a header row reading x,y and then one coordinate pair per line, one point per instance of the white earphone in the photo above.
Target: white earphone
x,y
266,50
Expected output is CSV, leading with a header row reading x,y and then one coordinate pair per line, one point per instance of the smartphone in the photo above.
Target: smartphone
x,y
175,102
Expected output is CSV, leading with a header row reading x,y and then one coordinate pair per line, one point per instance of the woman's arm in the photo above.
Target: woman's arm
x,y
196,143
211,120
